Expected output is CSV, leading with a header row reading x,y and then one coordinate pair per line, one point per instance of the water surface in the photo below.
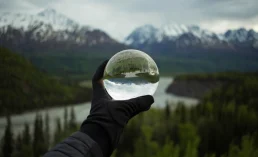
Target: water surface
x,y
82,110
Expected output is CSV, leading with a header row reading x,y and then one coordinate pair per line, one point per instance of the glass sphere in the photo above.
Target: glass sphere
x,y
129,74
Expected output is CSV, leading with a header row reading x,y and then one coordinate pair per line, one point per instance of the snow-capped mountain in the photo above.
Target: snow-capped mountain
x,y
48,30
142,35
177,37
149,33
241,35
173,31
48,17
242,38
58,21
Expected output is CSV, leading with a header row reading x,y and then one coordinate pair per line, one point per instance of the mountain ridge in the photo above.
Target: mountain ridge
x,y
180,48
176,37
49,30
47,16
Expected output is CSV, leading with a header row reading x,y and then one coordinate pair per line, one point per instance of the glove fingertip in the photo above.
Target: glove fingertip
x,y
148,99
144,102
100,71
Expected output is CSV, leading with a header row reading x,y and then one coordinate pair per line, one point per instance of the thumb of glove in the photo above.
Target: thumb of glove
x,y
123,111
137,105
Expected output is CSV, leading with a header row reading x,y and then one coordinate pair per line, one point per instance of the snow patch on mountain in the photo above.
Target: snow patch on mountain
x,y
49,27
141,35
173,30
57,20
150,34
183,35
48,17
241,35
17,20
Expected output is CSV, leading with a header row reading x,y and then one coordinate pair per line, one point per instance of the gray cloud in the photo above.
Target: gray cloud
x,y
43,3
23,5
14,5
229,9
119,17
234,9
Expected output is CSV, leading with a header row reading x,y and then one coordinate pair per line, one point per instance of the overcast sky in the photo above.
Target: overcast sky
x,y
119,17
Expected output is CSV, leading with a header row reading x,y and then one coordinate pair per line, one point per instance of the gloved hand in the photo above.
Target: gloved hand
x,y
111,115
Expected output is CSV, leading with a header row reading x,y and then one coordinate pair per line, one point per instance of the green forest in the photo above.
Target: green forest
x,y
23,87
34,142
223,124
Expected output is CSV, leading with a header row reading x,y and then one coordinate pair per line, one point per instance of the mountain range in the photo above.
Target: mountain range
x,y
63,47
180,38
51,31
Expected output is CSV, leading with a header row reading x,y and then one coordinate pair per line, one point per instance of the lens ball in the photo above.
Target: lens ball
x,y
129,74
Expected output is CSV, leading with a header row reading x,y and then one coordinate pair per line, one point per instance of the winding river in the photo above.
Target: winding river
x,y
82,110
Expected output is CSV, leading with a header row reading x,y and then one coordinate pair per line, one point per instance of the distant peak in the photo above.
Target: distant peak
x,y
47,11
146,27
242,29
194,27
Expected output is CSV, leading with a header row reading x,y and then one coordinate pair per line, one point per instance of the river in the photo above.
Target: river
x,y
82,110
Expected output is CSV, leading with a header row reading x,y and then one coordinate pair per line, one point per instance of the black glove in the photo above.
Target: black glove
x,y
108,117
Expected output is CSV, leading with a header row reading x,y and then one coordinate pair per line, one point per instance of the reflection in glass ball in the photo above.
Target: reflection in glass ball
x,y
129,74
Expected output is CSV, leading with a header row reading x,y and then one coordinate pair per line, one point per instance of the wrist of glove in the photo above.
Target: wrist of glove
x,y
112,115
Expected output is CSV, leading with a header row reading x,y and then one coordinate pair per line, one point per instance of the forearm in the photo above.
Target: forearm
x,y
78,144
99,135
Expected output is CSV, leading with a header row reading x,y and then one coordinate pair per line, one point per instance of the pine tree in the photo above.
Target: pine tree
x,y
43,146
39,146
65,118
248,148
18,143
58,132
1,153
167,111
36,137
47,132
181,112
72,121
169,149
18,146
26,139
8,143
145,146
189,140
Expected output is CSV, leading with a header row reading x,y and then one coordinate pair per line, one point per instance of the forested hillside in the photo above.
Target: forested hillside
x,y
198,85
223,124
23,87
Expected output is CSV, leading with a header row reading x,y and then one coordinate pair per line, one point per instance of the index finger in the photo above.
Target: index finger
x,y
99,91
